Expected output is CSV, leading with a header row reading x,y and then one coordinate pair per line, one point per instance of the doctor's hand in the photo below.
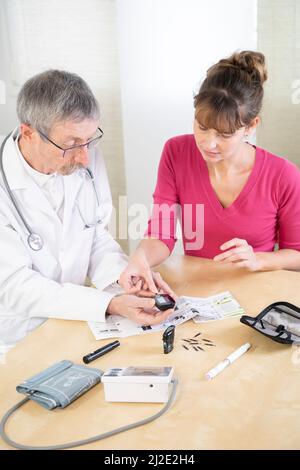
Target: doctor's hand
x,y
139,277
240,254
138,309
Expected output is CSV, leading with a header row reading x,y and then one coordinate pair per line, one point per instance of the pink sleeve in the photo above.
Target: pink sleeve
x,y
162,223
289,208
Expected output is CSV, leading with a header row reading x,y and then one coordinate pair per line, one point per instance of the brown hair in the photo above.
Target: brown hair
x,y
231,95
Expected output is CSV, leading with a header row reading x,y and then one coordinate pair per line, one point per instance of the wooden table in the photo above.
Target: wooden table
x,y
253,404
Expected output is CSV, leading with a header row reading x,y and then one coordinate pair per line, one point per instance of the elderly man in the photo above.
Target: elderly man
x,y
55,205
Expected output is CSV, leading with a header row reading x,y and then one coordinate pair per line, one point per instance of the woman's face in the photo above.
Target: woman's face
x,y
216,147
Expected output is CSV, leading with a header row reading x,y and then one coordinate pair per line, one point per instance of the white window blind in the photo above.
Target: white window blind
x,y
279,40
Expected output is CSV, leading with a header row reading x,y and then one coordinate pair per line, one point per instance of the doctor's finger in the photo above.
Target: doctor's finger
x,y
143,302
153,319
145,293
164,315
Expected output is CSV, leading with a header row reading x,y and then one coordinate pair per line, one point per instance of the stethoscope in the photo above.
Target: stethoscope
x,y
34,240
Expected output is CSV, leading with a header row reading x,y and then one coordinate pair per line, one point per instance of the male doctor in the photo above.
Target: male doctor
x,y
55,205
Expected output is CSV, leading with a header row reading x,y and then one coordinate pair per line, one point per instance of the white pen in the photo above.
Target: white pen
x,y
229,360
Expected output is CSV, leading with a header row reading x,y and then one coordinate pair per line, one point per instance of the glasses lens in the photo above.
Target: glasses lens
x,y
93,142
78,148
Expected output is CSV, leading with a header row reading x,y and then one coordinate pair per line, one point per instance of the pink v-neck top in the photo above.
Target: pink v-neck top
x,y
266,212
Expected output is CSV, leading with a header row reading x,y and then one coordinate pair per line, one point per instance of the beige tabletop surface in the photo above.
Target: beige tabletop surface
x,y
253,404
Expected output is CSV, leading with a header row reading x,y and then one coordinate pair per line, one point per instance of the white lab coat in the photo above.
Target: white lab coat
x,y
35,285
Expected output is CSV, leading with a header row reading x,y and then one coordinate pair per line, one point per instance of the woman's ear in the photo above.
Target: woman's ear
x,y
251,128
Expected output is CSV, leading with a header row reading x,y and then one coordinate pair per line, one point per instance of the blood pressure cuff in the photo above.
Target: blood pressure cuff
x,y
279,321
60,384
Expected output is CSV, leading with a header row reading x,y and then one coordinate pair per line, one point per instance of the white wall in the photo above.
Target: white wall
x,y
165,47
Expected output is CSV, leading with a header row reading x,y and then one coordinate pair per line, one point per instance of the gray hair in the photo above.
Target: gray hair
x,y
54,96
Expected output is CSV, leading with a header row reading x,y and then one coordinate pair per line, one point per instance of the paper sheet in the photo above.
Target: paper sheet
x,y
216,307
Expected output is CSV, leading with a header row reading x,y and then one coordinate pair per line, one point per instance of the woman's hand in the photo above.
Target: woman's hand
x,y
139,277
240,253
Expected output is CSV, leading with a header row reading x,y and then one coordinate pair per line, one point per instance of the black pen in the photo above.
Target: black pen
x,y
99,352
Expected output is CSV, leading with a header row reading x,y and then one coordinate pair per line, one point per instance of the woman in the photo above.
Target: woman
x,y
237,201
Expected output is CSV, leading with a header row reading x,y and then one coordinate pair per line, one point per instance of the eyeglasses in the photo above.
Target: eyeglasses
x,y
92,143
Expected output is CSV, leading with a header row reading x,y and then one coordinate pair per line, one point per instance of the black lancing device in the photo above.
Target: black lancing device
x,y
168,339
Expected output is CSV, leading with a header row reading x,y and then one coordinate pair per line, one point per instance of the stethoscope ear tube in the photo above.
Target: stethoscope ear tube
x,y
1,152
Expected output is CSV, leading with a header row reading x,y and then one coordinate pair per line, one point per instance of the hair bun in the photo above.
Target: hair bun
x,y
253,63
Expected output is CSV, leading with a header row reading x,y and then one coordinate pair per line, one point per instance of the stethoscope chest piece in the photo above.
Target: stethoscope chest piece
x,y
35,241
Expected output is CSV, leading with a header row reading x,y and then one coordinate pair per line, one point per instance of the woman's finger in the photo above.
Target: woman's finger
x,y
162,285
233,242
237,258
229,253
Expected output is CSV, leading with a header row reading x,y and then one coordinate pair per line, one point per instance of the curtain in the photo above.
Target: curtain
x,y
279,39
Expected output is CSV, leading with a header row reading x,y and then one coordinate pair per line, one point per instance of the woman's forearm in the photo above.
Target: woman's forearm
x,y
281,259
155,251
